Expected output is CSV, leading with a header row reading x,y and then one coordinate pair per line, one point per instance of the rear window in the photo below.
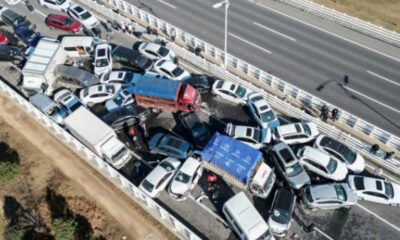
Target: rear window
x,y
340,192
101,52
286,155
174,143
298,129
359,183
147,185
219,84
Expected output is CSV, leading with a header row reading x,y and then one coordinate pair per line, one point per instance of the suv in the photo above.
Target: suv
x,y
198,130
281,212
328,196
254,137
296,133
289,166
13,19
131,59
67,99
74,77
201,82
169,145
11,53
126,116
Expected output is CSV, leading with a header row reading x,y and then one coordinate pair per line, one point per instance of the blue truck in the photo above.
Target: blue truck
x,y
238,164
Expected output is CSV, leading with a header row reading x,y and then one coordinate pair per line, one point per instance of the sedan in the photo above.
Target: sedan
x,y
169,145
296,133
126,116
98,93
201,82
251,136
63,23
120,77
375,190
170,70
154,51
27,35
186,178
281,212
11,53
197,129
67,99
3,39
59,5
83,16
159,178
123,98
102,59
261,111
329,196
354,161
230,91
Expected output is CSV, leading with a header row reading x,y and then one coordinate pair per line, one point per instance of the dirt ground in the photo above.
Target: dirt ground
x,y
383,13
48,164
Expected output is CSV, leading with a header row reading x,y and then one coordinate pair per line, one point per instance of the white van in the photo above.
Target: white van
x,y
244,219
78,46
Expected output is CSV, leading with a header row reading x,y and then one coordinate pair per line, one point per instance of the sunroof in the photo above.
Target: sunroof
x,y
379,185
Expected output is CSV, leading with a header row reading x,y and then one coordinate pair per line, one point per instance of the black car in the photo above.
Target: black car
x,y
196,129
11,53
131,59
202,82
13,19
281,212
126,116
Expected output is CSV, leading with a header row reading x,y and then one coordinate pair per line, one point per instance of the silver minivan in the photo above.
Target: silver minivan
x,y
74,77
45,104
244,219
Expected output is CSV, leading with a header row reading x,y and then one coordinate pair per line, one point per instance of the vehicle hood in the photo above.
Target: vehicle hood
x,y
300,180
358,165
179,187
340,173
276,227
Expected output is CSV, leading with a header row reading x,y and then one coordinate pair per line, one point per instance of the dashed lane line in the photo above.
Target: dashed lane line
x,y
250,43
378,217
274,31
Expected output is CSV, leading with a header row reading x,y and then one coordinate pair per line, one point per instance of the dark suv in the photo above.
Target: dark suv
x,y
126,116
13,19
131,59
11,53
196,129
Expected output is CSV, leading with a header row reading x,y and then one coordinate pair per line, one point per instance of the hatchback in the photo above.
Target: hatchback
x,y
322,163
230,91
197,129
158,179
186,178
169,145
375,190
73,77
27,35
63,23
354,161
296,133
281,212
123,98
98,93
254,137
102,59
328,196
261,111
67,99
154,51
170,70
83,16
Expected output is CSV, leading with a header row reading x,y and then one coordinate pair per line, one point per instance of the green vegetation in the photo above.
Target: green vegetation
x,y
8,171
12,233
65,228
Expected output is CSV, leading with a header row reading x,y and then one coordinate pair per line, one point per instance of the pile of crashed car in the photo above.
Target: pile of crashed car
x,y
323,172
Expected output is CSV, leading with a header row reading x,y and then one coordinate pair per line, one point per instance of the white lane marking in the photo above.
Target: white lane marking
x,y
250,43
40,13
327,32
323,233
168,4
378,217
274,31
376,101
382,77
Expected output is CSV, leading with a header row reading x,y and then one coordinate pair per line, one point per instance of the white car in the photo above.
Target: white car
x,y
59,5
230,91
354,161
254,137
185,179
102,59
375,190
83,16
159,178
155,51
296,133
12,2
261,111
98,93
122,98
322,164
66,98
170,70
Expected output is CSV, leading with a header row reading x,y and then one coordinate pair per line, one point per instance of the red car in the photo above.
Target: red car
x,y
63,23
3,39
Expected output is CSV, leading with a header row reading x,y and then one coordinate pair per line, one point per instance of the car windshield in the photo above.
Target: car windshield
x,y
240,91
101,62
177,71
280,216
85,15
142,61
389,190
257,135
340,192
119,99
116,157
332,165
163,51
294,170
67,22
269,182
128,77
19,20
267,116
349,155
306,129
59,2
182,177
147,185
167,166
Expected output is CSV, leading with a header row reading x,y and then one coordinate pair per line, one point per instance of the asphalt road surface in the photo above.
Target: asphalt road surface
x,y
310,53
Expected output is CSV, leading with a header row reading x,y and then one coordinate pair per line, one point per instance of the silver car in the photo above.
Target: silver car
x,y
289,166
281,212
329,196
49,107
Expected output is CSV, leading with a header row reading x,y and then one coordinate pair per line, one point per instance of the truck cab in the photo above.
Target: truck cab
x,y
262,181
116,153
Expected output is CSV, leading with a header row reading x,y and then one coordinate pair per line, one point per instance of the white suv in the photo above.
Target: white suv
x,y
102,59
254,137
322,164
59,5
296,133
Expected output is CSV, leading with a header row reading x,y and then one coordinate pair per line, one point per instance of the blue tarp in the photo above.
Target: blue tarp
x,y
232,156
157,87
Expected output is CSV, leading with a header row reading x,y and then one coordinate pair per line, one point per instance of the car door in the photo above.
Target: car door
x,y
375,197
228,95
315,167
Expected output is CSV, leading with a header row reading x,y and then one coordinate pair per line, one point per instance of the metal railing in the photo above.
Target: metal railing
x,y
345,20
238,67
158,212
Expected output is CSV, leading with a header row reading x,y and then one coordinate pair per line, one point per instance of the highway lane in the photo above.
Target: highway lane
x,y
297,53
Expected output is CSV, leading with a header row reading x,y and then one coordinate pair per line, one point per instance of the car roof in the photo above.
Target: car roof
x,y
284,199
99,88
289,129
190,166
77,8
326,191
316,155
116,75
243,131
229,86
262,105
151,46
157,174
170,66
369,184
57,17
